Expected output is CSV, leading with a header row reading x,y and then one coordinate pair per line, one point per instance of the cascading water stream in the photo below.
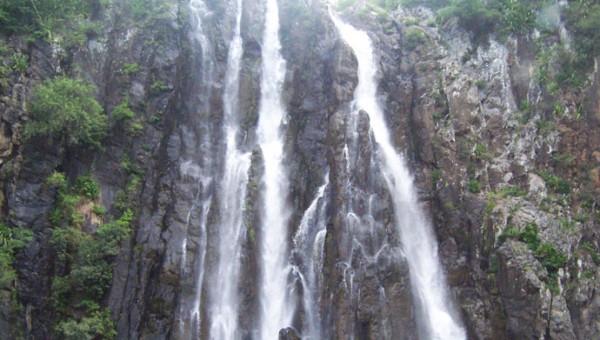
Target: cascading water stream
x,y
308,243
277,308
224,299
199,17
437,319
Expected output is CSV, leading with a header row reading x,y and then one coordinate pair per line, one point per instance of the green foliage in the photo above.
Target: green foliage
x,y
130,68
436,176
474,186
413,38
11,240
563,159
65,241
544,126
473,15
42,17
508,232
98,210
512,191
19,63
122,112
481,84
158,86
87,260
58,180
530,235
149,10
582,18
518,16
65,108
342,5
550,257
480,152
388,5
546,253
592,251
98,325
86,186
542,71
556,184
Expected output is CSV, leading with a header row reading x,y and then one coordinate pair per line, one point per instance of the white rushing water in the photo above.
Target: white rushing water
x,y
308,243
437,319
276,305
199,168
224,295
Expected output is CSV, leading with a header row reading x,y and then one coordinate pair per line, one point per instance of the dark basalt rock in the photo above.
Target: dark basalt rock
x,y
452,110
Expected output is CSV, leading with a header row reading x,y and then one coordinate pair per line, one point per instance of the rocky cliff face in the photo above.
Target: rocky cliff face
x,y
498,159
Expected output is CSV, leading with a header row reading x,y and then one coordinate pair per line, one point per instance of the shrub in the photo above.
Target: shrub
x,y
556,184
65,108
512,191
19,63
508,232
413,38
58,180
474,186
436,176
98,325
530,235
11,240
518,16
86,186
42,17
474,16
480,152
130,68
122,112
582,18
550,257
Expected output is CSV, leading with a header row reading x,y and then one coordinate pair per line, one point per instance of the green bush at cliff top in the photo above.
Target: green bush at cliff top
x,y
66,109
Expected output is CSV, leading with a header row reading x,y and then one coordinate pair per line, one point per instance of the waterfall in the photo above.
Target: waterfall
x,y
224,296
277,308
437,319
199,167
308,244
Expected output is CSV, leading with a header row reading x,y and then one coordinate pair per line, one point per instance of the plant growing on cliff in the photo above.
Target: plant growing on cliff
x,y
473,186
530,235
550,257
98,325
66,109
86,186
413,38
84,260
19,63
436,176
556,184
43,18
582,18
11,240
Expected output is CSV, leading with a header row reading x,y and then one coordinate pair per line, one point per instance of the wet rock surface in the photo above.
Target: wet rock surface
x,y
458,121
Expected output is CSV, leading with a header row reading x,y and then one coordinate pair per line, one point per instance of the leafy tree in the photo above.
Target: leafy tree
x,y
42,16
98,325
582,17
473,15
65,108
